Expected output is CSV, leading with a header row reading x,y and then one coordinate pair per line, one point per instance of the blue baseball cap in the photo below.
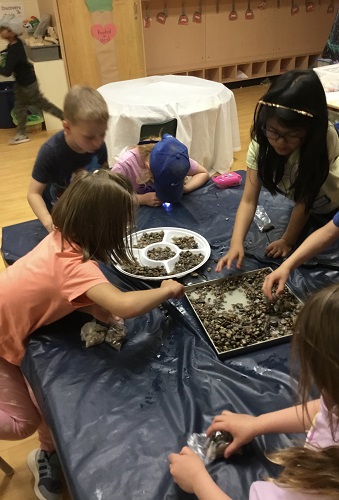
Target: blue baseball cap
x,y
169,164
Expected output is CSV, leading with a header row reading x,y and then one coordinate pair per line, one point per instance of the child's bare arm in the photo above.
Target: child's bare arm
x,y
281,247
197,180
189,473
149,199
131,304
35,199
314,244
243,220
246,427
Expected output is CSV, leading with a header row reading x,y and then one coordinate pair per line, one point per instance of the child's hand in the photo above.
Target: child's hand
x,y
187,469
279,277
235,252
278,248
176,290
149,199
242,428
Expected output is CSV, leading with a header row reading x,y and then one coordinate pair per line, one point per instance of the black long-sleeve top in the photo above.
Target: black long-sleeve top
x,y
17,63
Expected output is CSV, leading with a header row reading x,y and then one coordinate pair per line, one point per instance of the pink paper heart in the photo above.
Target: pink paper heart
x,y
104,33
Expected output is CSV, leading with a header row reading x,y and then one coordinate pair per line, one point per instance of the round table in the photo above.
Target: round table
x,y
205,110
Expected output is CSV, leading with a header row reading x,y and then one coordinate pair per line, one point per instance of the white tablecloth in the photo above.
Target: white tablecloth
x,y
329,77
206,113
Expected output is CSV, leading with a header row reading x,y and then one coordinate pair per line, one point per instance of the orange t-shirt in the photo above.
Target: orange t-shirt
x,y
43,286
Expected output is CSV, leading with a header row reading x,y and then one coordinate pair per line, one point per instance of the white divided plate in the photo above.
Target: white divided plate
x,y
169,232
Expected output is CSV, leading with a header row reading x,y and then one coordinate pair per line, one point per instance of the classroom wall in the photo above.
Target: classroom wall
x,y
46,7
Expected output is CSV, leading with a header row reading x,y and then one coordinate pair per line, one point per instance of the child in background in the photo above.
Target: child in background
x,y
80,145
314,244
56,278
294,151
158,168
27,90
310,472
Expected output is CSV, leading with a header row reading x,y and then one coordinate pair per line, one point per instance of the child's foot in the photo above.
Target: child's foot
x,y
47,474
19,139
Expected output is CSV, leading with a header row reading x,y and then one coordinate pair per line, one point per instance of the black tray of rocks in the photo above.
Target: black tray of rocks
x,y
237,317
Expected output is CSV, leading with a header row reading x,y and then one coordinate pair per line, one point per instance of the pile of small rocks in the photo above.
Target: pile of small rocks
x,y
149,238
160,253
185,242
146,271
187,260
243,325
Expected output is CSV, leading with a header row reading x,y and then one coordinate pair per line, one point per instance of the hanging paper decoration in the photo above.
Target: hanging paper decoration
x,y
162,16
99,5
103,33
183,19
309,6
294,8
197,15
233,15
249,12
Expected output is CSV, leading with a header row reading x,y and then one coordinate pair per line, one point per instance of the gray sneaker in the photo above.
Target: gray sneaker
x,y
47,474
19,139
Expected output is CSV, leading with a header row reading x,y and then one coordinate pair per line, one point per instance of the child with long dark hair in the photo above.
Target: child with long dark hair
x,y
310,471
57,277
294,151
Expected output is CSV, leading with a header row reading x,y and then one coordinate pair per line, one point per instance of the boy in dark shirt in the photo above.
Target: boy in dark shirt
x,y
27,90
80,145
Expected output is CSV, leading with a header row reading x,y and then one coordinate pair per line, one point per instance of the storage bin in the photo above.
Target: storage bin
x,y
43,53
34,121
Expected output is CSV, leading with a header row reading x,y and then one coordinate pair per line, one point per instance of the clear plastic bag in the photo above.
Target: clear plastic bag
x,y
92,333
209,448
262,220
116,334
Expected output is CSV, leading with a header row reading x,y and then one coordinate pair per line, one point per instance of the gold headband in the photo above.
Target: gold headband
x,y
299,111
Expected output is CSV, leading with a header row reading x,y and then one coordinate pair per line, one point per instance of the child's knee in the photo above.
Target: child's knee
x,y
25,429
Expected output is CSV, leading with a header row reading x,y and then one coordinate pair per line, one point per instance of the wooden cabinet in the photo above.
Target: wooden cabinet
x,y
90,61
225,50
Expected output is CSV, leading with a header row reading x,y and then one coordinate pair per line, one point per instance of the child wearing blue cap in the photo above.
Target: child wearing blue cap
x,y
158,169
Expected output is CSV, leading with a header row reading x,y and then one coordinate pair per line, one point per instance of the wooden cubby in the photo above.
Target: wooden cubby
x,y
212,74
272,67
302,62
228,73
287,64
256,69
219,49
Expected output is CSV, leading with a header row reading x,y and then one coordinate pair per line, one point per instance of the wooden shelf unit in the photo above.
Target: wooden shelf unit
x,y
222,50
256,69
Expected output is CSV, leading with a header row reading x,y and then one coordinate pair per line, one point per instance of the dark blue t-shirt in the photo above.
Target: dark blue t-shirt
x,y
57,162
